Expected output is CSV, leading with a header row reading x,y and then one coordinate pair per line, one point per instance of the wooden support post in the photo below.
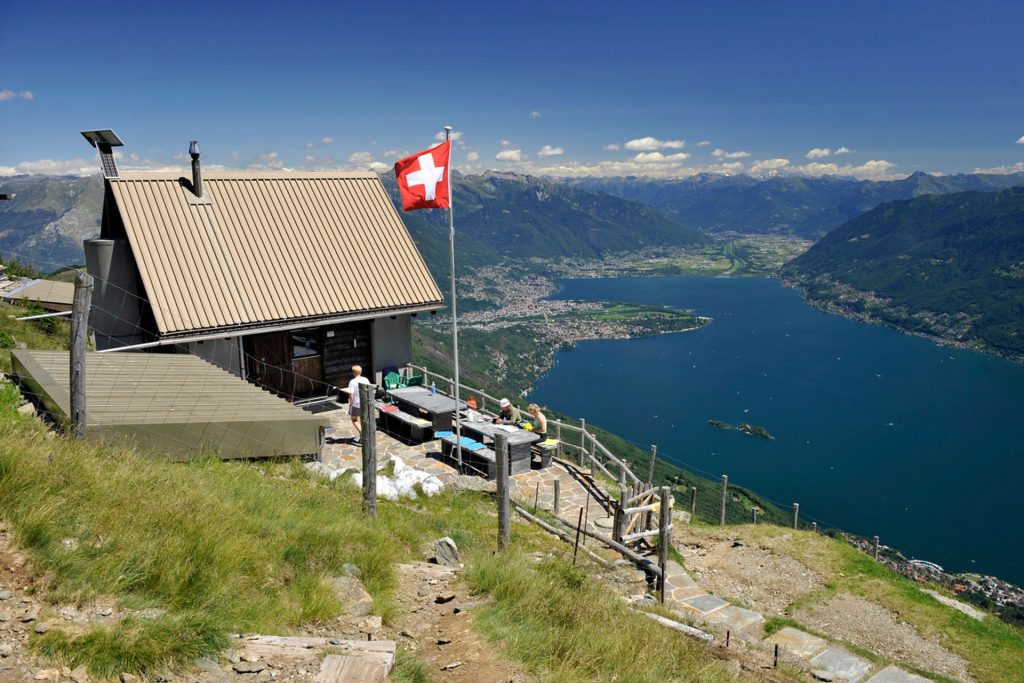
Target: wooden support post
x,y
728,635
556,504
579,525
623,519
874,551
814,527
501,456
776,664
536,497
796,515
664,537
650,465
586,515
79,340
368,420
754,510
725,489
693,502
558,431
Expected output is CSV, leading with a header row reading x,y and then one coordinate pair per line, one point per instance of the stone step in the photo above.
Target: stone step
x,y
372,667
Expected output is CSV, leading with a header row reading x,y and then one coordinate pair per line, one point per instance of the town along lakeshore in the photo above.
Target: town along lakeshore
x,y
876,432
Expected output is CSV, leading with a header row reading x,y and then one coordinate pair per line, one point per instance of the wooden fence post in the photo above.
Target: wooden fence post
x,y
874,551
754,510
558,431
556,504
79,340
367,418
796,515
583,441
501,457
725,488
650,466
664,537
693,502
814,527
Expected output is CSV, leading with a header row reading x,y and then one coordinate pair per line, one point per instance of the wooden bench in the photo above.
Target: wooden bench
x,y
482,461
406,426
546,451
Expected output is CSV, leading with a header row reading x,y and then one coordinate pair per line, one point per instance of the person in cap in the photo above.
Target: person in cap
x,y
509,413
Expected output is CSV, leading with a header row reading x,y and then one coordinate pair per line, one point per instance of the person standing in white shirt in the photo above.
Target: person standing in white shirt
x,y
353,398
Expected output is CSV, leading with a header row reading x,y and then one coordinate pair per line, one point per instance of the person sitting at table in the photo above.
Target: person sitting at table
x,y
509,414
540,423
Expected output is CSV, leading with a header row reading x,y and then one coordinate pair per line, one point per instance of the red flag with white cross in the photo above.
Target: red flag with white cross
x,y
423,178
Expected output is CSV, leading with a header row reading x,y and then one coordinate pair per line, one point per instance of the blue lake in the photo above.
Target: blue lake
x,y
877,432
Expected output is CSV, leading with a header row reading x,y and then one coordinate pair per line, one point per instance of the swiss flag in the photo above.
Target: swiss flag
x,y
423,178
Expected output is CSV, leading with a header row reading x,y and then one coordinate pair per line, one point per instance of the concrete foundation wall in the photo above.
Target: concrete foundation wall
x,y
116,314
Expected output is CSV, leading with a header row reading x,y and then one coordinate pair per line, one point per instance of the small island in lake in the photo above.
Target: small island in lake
x,y
755,430
719,424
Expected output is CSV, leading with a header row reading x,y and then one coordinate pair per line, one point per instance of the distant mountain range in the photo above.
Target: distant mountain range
x,y
809,207
497,215
44,225
949,265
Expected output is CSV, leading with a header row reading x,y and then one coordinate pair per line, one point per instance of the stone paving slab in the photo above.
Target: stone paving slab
x,y
735,618
704,605
680,595
892,674
797,643
838,661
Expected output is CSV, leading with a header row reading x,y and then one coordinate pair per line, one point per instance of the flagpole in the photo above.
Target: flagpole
x,y
455,320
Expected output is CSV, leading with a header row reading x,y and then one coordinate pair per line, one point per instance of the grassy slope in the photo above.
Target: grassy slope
x,y
993,648
228,547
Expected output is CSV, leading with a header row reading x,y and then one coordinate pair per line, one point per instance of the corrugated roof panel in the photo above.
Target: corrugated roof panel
x,y
269,248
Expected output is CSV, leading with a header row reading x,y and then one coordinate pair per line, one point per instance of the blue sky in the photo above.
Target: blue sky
x,y
566,88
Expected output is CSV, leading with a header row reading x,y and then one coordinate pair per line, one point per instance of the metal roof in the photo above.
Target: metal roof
x,y
177,404
268,248
51,294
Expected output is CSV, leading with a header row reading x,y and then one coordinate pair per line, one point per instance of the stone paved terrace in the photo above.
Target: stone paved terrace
x,y
577,488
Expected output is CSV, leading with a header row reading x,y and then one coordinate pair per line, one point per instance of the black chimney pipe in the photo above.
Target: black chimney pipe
x,y
197,176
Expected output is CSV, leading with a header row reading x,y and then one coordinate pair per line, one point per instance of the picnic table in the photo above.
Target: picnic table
x,y
437,408
520,441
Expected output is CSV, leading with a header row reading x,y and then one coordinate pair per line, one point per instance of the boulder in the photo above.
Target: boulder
x,y
446,552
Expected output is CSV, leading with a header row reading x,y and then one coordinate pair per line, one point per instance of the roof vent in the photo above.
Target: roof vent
x,y
197,175
104,141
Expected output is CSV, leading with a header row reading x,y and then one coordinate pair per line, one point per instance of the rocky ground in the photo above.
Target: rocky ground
x,y
758,574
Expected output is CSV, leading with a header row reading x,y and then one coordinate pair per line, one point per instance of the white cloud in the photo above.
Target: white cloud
x,y
722,154
549,151
509,155
659,158
327,140
506,143
266,161
360,158
670,166
876,169
456,135
704,143
473,156
1020,140
613,147
534,115
843,150
77,166
650,144
1016,168
768,166
378,167
6,95
819,153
